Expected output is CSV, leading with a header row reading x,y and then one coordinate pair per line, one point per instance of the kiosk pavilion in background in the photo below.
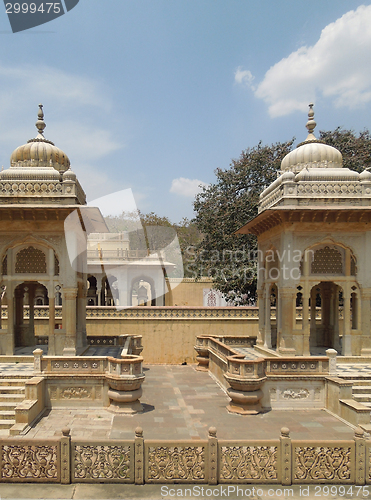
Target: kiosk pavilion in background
x,y
314,240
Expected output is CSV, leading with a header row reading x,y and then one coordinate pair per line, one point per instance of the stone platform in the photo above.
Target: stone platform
x,y
182,403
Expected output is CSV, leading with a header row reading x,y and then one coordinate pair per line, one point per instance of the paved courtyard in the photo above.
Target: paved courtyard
x,y
182,403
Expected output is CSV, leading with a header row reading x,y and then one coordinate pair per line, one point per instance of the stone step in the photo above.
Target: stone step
x,y
7,415
9,405
11,398
15,389
13,381
7,424
362,398
361,389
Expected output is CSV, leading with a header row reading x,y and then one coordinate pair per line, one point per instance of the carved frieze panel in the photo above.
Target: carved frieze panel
x,y
324,464
175,463
30,463
253,463
102,462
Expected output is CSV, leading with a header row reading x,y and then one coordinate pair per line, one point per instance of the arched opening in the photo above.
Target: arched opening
x,y
110,291
326,303
142,292
92,299
28,293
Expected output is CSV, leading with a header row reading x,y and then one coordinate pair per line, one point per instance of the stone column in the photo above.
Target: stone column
x,y
347,339
19,339
51,339
99,290
81,317
31,323
336,320
259,340
10,340
305,323
267,322
69,305
366,321
313,322
287,343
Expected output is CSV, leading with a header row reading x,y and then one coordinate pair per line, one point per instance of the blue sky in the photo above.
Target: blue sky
x,y
154,95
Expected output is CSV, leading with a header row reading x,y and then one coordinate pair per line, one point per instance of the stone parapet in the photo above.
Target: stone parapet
x,y
212,461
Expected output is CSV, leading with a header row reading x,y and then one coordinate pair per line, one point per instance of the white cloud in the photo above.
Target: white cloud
x,y
186,187
244,77
337,67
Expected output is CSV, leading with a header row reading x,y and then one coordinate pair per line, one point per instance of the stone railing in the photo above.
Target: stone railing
x,y
119,254
210,461
298,365
256,383
159,312
155,312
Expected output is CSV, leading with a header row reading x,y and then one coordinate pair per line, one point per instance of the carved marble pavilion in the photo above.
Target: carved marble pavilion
x,y
314,240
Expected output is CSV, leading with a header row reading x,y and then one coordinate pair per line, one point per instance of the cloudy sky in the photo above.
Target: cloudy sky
x,y
154,95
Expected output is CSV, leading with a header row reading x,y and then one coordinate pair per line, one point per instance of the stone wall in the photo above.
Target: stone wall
x,y
169,333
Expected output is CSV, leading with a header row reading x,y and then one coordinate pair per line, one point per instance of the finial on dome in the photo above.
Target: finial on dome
x,y
40,124
311,124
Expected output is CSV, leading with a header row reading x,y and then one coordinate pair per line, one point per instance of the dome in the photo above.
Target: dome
x,y
39,152
311,153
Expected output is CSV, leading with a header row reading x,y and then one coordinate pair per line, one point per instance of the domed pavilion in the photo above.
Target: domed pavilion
x,y
314,239
37,193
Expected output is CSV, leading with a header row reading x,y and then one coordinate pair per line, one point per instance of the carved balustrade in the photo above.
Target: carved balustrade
x,y
209,461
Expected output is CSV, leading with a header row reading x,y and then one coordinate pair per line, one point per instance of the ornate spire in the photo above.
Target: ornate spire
x,y
311,124
40,124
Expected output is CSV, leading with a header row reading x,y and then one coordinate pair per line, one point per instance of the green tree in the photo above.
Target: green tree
x,y
226,205
230,202
356,149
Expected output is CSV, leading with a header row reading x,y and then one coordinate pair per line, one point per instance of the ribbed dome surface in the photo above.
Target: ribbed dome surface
x,y
312,154
40,153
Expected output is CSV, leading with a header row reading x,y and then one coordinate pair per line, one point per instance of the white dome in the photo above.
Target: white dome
x,y
311,153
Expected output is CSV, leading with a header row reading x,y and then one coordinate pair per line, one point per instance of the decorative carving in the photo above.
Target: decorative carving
x,y
102,462
186,463
29,462
295,394
248,462
316,463
76,393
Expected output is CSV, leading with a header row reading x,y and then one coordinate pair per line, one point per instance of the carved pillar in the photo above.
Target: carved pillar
x,y
313,322
336,344
267,322
51,339
305,324
287,303
69,305
31,323
10,340
259,340
99,290
366,321
81,316
18,317
347,339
